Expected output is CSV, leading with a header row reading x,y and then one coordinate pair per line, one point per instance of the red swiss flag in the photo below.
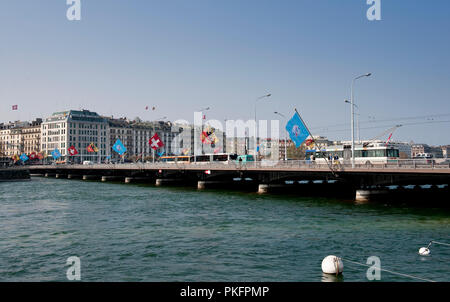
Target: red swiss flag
x,y
155,142
72,151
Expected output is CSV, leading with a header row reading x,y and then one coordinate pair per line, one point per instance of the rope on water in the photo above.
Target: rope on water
x,y
437,242
388,271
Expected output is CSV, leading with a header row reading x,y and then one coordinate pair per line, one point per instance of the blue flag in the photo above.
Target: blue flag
x,y
24,157
56,154
297,130
119,147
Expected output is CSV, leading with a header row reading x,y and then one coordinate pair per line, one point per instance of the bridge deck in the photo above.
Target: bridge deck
x,y
251,167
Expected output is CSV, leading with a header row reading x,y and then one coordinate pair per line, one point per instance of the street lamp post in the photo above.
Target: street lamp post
x,y
224,136
285,137
256,125
357,121
353,116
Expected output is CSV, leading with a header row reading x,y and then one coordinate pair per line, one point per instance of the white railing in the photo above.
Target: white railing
x,y
339,165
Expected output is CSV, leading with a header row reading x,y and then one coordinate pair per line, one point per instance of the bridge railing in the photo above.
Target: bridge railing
x,y
296,164
337,165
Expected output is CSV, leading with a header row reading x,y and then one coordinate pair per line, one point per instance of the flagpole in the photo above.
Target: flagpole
x,y
304,124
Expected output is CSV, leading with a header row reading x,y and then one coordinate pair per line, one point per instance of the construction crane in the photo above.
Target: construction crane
x,y
390,130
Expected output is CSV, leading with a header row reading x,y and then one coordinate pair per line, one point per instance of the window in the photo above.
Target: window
x,y
392,153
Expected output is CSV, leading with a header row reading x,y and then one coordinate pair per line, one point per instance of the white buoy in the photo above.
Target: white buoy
x,y
332,265
424,251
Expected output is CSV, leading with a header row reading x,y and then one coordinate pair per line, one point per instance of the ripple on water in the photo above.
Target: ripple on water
x,y
143,233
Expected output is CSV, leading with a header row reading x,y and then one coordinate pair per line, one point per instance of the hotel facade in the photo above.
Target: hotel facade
x,y
75,128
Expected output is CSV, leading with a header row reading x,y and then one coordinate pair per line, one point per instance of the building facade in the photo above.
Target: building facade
x,y
18,137
120,129
436,152
31,137
79,129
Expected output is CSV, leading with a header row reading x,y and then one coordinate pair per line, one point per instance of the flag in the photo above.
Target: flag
x,y
186,151
161,153
155,142
56,154
297,130
119,147
40,155
208,137
309,141
72,151
24,157
15,107
15,158
33,155
390,136
92,148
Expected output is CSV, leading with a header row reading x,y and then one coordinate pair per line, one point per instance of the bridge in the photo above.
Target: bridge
x,y
406,178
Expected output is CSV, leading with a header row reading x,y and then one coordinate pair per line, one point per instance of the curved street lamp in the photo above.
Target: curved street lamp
x,y
353,115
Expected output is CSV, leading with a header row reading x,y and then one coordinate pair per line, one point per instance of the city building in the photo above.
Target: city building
x,y
31,137
77,128
122,130
143,131
436,152
19,137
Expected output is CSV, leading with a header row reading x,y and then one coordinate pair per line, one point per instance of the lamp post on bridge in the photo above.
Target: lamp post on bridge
x,y
353,115
357,121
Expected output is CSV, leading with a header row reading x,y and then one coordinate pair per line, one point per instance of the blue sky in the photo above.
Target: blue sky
x,y
183,55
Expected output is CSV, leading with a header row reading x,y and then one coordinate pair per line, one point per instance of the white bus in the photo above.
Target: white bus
x,y
224,158
199,159
373,153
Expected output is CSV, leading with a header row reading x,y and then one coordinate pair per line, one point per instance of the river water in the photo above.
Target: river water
x,y
144,233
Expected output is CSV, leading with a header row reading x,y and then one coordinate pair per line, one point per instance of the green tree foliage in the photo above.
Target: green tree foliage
x,y
296,153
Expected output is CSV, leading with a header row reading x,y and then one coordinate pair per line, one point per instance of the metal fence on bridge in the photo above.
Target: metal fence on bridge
x,y
337,165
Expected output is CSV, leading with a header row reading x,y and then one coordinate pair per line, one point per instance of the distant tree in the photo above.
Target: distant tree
x,y
403,155
296,153
137,119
